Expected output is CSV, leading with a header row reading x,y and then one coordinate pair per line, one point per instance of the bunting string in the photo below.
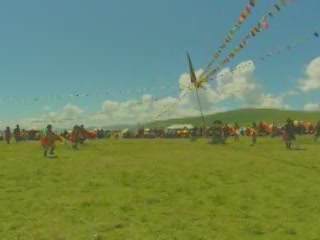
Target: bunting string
x,y
86,94
174,104
286,47
230,36
262,25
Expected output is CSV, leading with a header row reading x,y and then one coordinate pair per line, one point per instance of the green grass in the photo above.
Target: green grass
x,y
243,117
160,189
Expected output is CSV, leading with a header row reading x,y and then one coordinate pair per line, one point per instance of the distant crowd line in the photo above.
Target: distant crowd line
x,y
218,132
227,130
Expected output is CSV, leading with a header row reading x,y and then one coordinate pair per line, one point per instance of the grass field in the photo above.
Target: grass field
x,y
160,189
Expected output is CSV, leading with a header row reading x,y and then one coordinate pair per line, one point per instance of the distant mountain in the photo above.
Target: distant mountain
x,y
119,127
243,117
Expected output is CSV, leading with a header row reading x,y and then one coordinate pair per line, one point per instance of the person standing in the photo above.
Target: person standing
x,y
289,133
7,135
75,136
17,133
253,133
84,134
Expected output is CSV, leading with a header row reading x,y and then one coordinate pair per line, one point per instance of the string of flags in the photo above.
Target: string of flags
x,y
87,94
230,36
286,47
262,25
269,54
171,106
131,105
290,45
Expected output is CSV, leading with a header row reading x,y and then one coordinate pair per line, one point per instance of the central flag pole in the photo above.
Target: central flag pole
x,y
200,108
195,83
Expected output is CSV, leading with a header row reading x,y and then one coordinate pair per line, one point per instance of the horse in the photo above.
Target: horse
x,y
49,142
78,136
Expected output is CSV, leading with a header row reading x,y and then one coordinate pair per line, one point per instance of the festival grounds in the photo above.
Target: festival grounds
x,y
161,189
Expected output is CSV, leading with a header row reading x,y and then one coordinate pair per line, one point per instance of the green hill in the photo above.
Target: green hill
x,y
243,117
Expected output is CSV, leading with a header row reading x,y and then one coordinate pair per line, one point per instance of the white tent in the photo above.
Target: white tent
x,y
180,126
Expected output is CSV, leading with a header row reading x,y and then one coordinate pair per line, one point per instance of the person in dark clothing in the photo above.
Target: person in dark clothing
x,y
193,134
217,133
83,134
317,132
65,134
253,133
289,133
76,136
7,135
17,133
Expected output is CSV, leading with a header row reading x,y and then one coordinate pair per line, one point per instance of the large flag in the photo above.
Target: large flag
x,y
192,73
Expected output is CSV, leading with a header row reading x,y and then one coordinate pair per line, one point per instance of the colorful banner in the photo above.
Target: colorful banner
x,y
230,36
262,25
289,46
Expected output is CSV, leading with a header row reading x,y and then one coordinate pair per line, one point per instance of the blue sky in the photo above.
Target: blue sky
x,y
73,46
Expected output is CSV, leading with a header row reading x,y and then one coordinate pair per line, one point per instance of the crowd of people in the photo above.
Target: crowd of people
x,y
19,135
218,132
48,137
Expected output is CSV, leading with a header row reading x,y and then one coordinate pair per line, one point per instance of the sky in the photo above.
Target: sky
x,y
129,58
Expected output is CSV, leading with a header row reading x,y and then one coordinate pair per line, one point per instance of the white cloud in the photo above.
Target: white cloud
x,y
110,107
269,101
312,107
66,117
293,93
228,85
71,111
239,85
46,108
312,80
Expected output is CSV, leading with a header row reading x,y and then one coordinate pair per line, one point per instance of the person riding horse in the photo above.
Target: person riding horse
x,y
78,136
217,136
84,134
48,140
289,133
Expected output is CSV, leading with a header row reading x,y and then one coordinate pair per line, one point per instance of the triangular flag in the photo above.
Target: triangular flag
x,y
192,73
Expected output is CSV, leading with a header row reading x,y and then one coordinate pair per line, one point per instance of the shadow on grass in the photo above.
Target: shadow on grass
x,y
299,149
